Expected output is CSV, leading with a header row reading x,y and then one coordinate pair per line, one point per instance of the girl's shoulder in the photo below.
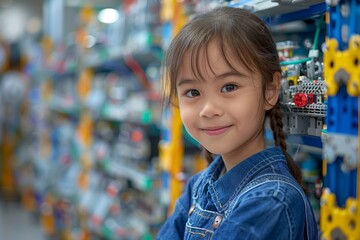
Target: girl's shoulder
x,y
272,192
275,192
278,186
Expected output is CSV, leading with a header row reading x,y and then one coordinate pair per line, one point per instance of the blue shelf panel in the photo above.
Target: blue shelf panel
x,y
283,13
312,141
311,12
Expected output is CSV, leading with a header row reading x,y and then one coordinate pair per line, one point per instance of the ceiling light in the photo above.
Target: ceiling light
x,y
108,15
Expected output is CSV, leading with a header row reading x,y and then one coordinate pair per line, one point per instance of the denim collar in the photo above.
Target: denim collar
x,y
227,187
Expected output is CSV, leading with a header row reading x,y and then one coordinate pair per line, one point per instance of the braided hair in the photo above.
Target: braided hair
x,y
276,123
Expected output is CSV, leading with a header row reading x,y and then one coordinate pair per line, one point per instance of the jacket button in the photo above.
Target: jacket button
x,y
217,221
192,208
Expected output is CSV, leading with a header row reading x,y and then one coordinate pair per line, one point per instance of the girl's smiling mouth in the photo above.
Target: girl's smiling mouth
x,y
213,131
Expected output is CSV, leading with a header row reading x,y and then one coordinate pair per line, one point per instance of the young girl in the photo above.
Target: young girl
x,y
223,72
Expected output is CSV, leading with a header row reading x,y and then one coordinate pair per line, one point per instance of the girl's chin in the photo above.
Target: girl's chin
x,y
214,150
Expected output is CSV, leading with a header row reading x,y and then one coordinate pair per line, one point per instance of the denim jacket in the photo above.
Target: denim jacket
x,y
256,199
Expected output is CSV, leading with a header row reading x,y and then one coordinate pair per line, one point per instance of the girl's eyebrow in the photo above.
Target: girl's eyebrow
x,y
185,81
218,77
230,74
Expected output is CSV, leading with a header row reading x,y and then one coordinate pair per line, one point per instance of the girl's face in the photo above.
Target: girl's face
x,y
224,111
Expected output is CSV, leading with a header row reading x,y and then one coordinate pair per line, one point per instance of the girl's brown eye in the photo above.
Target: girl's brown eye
x,y
192,93
228,88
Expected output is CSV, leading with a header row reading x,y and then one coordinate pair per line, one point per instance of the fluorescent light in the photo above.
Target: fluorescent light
x,y
108,15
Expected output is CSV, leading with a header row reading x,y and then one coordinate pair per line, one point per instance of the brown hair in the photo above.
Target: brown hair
x,y
239,34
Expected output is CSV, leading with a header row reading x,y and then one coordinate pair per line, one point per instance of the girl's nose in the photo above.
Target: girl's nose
x,y
210,109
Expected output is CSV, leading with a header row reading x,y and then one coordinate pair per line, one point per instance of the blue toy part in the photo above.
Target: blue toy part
x,y
342,118
342,183
342,115
343,21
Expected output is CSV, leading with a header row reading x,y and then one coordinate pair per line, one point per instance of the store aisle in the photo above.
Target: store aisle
x,y
18,224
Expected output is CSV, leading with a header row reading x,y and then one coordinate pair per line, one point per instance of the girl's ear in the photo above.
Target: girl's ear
x,y
272,91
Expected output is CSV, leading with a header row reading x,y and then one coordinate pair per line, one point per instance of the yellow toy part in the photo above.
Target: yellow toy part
x,y
47,46
83,180
28,199
84,84
84,130
81,36
86,14
293,79
47,90
200,163
339,223
84,235
4,56
167,10
342,67
7,178
47,215
177,154
172,153
165,155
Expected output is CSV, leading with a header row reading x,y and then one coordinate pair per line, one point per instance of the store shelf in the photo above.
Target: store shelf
x,y
107,59
141,180
282,11
313,11
65,106
312,141
115,112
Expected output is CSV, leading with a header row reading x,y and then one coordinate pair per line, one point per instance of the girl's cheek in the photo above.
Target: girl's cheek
x,y
187,115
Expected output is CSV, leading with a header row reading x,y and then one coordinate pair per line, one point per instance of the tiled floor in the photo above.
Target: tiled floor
x,y
18,224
